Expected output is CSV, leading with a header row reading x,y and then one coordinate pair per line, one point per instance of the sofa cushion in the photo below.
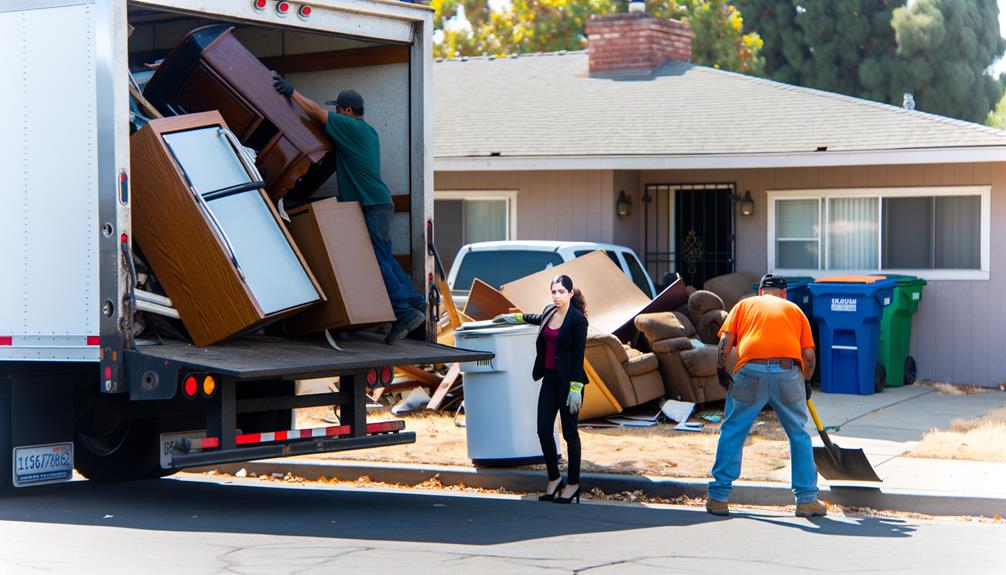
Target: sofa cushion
x,y
700,362
672,345
642,364
732,287
709,326
597,337
701,302
662,325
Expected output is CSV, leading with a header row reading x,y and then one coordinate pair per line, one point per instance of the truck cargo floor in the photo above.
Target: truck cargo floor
x,y
265,357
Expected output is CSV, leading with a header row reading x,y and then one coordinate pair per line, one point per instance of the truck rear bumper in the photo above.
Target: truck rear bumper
x,y
289,449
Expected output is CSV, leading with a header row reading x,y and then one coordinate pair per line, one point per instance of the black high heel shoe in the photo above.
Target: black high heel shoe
x,y
568,500
554,494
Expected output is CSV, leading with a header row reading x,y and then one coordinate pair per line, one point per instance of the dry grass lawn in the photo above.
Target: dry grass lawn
x,y
657,450
980,439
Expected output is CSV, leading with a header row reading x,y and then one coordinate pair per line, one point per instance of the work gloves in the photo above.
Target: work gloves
x,y
808,388
575,399
514,318
724,377
282,86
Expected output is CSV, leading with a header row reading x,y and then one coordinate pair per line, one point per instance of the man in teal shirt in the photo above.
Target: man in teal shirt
x,y
358,173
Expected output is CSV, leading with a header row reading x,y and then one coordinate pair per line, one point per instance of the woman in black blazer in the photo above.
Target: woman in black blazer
x,y
562,338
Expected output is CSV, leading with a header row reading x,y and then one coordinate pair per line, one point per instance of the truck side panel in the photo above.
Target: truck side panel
x,y
48,221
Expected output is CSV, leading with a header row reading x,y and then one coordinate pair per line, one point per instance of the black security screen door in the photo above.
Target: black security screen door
x,y
704,233
690,230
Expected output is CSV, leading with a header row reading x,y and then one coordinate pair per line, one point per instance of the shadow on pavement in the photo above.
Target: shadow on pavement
x,y
842,527
197,506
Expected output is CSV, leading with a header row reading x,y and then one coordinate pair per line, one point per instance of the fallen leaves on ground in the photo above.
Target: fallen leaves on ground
x,y
979,439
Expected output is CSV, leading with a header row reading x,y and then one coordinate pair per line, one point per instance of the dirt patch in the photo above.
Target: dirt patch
x,y
979,439
657,450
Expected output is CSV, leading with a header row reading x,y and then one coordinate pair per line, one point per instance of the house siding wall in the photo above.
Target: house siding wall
x,y
551,205
958,331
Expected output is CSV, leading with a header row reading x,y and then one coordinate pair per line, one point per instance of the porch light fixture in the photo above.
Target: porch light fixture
x,y
624,204
747,203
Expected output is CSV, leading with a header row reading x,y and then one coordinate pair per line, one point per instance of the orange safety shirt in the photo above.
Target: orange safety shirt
x,y
768,327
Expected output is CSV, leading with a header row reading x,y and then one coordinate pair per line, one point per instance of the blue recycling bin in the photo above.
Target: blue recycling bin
x,y
848,310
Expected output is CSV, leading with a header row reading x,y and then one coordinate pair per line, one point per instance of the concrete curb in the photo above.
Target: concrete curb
x,y
521,480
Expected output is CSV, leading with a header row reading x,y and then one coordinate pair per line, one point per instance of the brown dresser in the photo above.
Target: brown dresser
x,y
211,70
334,239
209,231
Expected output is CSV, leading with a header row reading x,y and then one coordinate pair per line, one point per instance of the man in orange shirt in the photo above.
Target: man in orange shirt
x,y
775,356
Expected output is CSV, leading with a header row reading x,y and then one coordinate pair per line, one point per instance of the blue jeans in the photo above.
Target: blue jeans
x,y
399,285
754,386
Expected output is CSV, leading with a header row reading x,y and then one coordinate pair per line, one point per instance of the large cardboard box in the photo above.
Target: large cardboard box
x,y
210,233
334,239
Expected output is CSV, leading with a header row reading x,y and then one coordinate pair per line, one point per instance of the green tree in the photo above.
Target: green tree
x,y
550,25
997,117
879,49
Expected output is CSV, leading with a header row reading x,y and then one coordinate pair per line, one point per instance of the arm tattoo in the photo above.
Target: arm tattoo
x,y
721,357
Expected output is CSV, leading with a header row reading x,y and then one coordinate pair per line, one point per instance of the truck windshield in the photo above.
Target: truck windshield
x,y
499,267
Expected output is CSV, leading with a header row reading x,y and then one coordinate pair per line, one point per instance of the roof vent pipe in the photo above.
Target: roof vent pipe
x,y
637,6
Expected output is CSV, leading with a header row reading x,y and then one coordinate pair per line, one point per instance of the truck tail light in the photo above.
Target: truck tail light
x,y
372,378
387,374
283,8
190,387
259,5
305,11
209,386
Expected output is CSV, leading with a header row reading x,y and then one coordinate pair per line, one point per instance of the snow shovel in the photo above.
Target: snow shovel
x,y
833,462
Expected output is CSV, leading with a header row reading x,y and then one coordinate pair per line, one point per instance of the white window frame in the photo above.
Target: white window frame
x,y
484,195
985,192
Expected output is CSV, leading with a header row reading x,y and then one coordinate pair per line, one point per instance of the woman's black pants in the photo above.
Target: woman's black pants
x,y
552,399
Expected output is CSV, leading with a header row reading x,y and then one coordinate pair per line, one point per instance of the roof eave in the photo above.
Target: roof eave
x,y
949,155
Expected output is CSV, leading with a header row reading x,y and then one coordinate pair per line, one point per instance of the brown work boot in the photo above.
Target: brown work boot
x,y
815,508
721,508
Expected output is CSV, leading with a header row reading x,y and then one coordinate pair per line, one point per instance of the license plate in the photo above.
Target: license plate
x,y
172,444
40,464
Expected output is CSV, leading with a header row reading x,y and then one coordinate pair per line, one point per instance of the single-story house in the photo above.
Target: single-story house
x,y
704,172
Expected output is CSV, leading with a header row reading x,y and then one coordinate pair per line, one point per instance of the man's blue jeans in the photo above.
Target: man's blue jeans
x,y
756,385
399,285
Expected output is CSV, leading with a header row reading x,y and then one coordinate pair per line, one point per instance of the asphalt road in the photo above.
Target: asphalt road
x,y
193,526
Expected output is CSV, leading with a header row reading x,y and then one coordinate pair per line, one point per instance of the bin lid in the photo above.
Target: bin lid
x,y
910,281
851,279
496,330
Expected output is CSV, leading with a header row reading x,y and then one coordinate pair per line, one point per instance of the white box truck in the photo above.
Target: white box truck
x,y
77,389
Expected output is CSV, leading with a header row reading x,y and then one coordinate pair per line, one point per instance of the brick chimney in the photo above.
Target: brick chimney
x,y
635,43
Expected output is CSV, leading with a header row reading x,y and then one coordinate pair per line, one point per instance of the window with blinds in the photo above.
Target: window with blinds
x,y
883,232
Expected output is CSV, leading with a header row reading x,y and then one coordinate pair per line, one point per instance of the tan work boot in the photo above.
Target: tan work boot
x,y
721,508
813,509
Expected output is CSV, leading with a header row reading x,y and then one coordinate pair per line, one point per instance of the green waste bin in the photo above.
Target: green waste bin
x,y
896,330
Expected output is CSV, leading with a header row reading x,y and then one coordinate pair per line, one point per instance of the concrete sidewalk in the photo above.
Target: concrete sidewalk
x,y
885,426
888,425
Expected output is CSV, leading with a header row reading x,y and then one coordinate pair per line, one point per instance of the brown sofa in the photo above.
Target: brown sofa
x,y
687,365
631,376
732,287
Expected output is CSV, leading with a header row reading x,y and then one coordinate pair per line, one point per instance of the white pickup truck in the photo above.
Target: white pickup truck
x,y
497,263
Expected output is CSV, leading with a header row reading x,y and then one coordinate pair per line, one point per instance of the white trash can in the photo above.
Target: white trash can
x,y
501,399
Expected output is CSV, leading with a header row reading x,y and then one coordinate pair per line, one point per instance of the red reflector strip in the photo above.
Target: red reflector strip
x,y
6,340
293,434
93,340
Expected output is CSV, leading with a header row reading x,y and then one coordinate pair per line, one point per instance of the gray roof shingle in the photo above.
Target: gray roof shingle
x,y
547,105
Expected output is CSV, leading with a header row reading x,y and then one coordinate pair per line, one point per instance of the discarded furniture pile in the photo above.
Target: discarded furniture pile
x,y
215,152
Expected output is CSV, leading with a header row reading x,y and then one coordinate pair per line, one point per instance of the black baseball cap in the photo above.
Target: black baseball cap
x,y
348,99
771,281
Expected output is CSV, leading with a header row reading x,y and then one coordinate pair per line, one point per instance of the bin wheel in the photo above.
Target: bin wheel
x,y
911,370
879,378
